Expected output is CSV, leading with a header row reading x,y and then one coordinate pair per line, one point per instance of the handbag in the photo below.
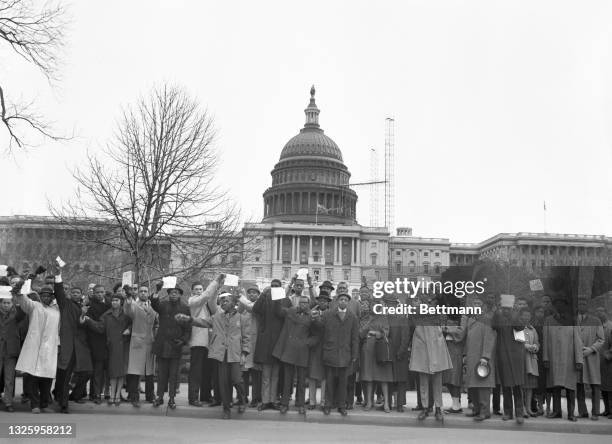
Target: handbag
x,y
382,350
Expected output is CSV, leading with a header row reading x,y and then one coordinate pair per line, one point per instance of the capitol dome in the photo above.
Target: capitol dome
x,y
310,182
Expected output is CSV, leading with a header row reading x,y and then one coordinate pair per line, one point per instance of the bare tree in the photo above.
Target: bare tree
x,y
155,184
37,35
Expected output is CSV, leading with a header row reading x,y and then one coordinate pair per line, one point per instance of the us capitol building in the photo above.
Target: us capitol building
x,y
309,221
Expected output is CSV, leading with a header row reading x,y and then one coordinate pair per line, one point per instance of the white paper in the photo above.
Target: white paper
x,y
26,288
231,280
5,292
536,285
127,278
302,274
519,336
507,300
60,262
169,282
277,293
3,271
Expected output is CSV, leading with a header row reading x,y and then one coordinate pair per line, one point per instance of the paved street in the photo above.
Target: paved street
x,y
102,428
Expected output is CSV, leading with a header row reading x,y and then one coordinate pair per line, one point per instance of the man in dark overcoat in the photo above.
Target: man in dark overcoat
x,y
97,344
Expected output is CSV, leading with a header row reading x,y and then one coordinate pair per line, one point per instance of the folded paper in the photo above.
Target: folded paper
x,y
127,278
5,292
169,282
3,271
231,280
507,300
519,335
60,262
277,293
26,288
302,273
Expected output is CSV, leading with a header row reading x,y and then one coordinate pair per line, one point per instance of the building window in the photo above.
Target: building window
x,y
235,259
223,259
437,269
315,256
437,254
257,272
373,257
347,274
425,267
398,267
373,244
317,274
412,254
377,275
398,253
329,274
286,273
412,266
426,253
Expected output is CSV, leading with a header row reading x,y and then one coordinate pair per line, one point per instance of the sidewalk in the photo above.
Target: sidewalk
x,y
356,416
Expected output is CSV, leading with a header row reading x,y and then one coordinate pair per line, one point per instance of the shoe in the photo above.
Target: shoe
x,y
349,406
253,404
10,408
227,414
63,410
196,403
424,414
326,410
532,414
418,408
44,410
451,410
594,417
301,410
109,402
554,415
158,402
343,412
214,404
171,403
80,401
480,418
312,406
136,404
572,418
274,406
367,407
520,419
584,415
117,403
261,407
497,412
241,408
507,417
98,401
439,415
106,397
284,409
604,413
36,410
400,408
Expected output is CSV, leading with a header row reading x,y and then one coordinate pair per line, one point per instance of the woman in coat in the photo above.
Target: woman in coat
x,y
429,358
453,378
399,345
114,324
373,328
532,347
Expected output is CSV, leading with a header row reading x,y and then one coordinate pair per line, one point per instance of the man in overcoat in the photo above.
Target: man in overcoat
x,y
141,361
171,336
562,356
97,344
10,344
292,350
340,340
592,335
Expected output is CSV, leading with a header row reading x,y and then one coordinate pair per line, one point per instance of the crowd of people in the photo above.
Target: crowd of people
x,y
252,348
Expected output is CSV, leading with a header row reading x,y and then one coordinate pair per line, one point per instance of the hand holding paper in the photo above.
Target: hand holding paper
x,y
169,282
302,273
277,293
26,288
60,262
3,271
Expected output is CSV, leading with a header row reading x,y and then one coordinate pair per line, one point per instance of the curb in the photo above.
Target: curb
x,y
357,417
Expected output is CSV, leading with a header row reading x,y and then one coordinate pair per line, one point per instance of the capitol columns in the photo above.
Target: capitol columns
x,y
310,250
274,248
280,249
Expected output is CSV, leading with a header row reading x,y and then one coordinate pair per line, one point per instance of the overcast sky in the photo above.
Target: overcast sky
x,y
499,105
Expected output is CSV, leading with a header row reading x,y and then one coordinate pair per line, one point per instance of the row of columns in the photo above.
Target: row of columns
x,y
305,202
354,246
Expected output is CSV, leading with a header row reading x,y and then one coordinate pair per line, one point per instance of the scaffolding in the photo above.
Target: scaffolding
x,y
374,188
389,173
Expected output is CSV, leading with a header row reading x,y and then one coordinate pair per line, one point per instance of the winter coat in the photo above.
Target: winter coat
x,y
141,360
40,349
562,351
73,335
480,341
116,343
200,309
95,340
340,338
295,339
455,342
510,353
399,346
171,335
249,321
229,337
531,357
592,335
606,358
10,342
269,324
429,352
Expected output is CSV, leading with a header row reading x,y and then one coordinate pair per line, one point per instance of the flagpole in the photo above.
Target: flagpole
x,y
545,217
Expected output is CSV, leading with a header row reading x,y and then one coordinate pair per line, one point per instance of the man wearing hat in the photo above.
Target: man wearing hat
x,y
10,344
510,358
340,351
480,340
38,356
171,336
229,345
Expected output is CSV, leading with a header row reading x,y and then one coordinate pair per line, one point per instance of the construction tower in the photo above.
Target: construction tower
x,y
374,188
389,173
